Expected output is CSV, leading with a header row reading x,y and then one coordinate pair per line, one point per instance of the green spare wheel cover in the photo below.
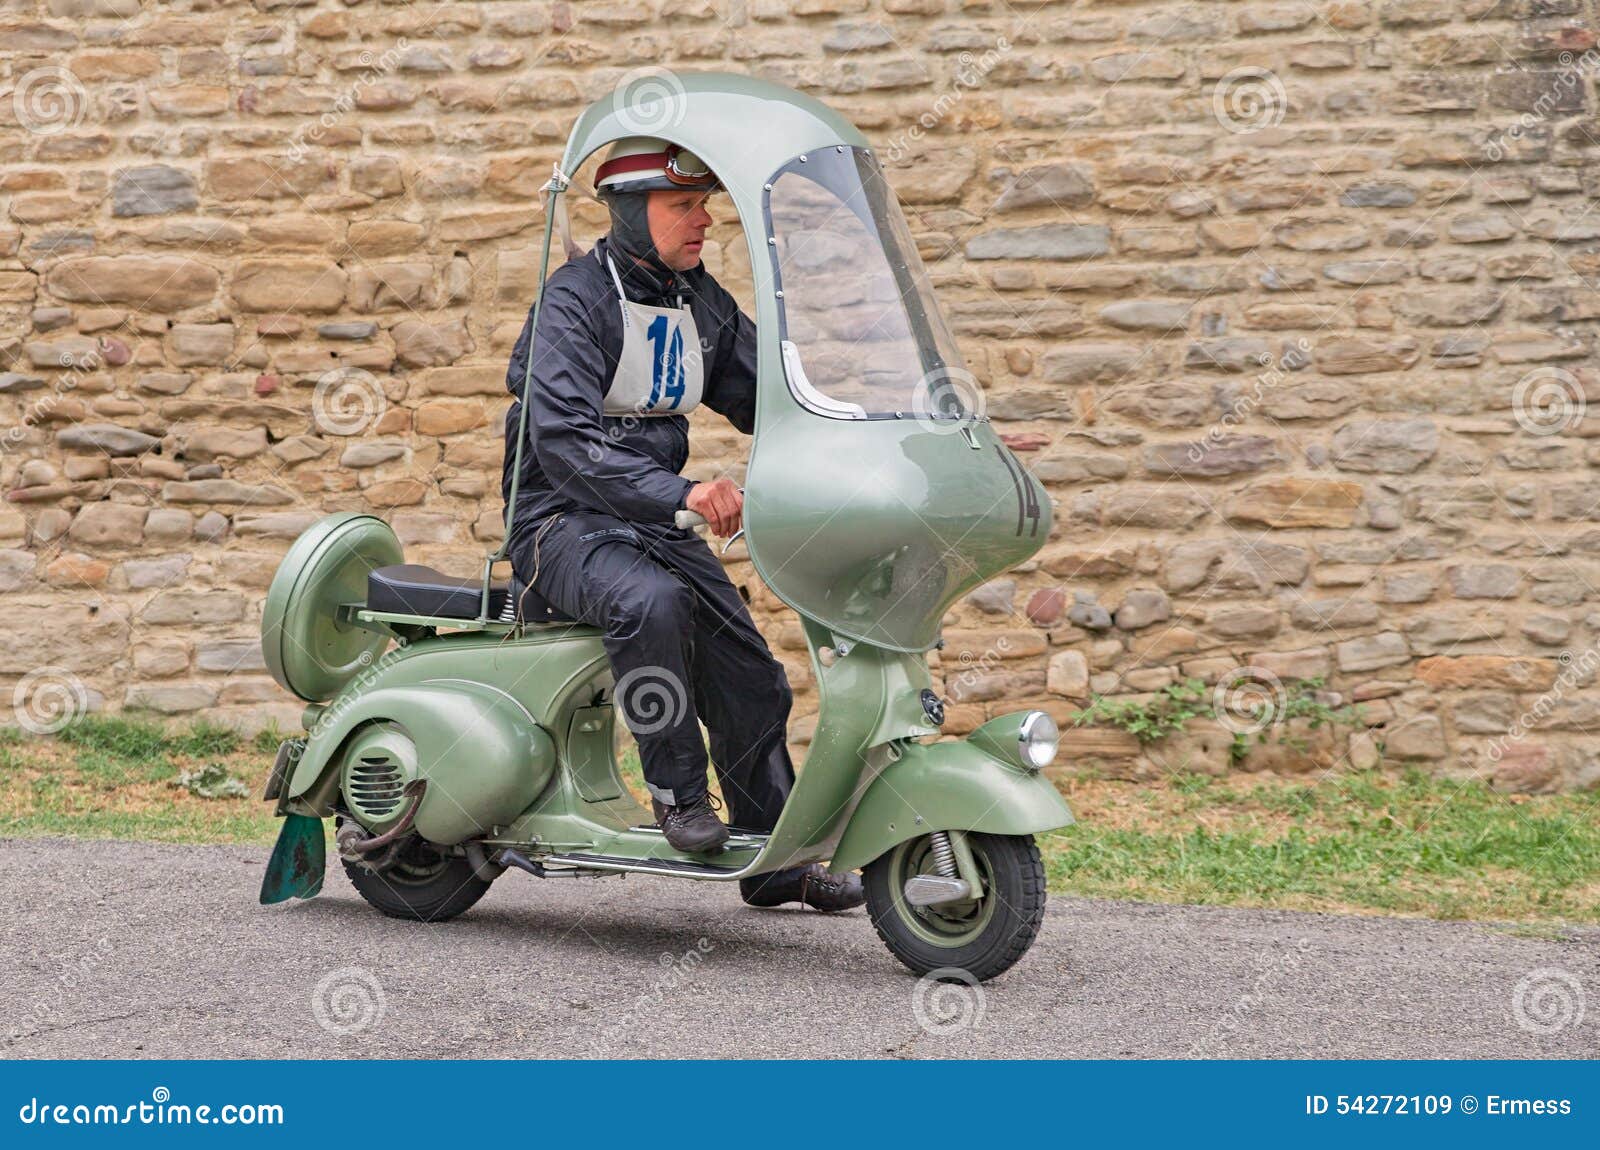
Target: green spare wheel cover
x,y
307,649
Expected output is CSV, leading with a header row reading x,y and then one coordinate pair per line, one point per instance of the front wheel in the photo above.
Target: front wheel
x,y
982,936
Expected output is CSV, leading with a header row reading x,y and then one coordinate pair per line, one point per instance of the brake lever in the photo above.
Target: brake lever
x,y
731,541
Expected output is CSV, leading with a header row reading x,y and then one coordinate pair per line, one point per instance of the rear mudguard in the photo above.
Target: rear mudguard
x,y
946,787
484,756
298,861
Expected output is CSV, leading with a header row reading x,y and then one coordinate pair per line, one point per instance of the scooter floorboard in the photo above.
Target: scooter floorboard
x,y
683,867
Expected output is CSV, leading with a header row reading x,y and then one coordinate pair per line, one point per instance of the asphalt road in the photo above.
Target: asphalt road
x,y
141,950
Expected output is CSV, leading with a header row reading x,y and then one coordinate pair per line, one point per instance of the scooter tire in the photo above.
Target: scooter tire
x,y
443,888
1002,931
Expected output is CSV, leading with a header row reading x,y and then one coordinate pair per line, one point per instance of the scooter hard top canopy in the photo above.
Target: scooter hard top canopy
x,y
742,127
876,494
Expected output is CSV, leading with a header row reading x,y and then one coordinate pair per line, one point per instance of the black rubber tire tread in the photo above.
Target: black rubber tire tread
x,y
453,890
1018,872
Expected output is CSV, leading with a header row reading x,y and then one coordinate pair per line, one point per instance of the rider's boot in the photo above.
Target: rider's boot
x,y
813,885
692,827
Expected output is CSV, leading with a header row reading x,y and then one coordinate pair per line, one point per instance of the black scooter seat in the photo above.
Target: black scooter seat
x,y
412,589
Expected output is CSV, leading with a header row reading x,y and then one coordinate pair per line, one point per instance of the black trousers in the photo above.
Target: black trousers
x,y
683,649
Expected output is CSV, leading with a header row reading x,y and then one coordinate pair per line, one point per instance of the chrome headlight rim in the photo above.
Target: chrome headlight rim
x,y
1038,740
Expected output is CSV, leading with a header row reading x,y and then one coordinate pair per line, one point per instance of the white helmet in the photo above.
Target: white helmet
x,y
648,164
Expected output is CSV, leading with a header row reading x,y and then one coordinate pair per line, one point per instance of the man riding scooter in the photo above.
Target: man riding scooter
x,y
631,337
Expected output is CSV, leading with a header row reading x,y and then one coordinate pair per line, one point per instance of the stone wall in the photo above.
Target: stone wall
x,y
1290,304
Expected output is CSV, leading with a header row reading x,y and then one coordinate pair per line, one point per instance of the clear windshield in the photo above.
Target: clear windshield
x,y
862,334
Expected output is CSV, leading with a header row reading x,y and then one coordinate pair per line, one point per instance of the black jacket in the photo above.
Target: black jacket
x,y
577,459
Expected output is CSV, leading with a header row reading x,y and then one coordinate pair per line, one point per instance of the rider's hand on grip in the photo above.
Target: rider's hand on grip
x,y
720,502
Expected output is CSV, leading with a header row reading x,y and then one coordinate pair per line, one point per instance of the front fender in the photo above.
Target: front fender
x,y
946,787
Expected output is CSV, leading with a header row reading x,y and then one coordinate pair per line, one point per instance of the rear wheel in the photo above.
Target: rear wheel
x,y
422,883
980,936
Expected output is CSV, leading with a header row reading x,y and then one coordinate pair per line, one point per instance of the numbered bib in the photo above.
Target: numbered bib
x,y
661,368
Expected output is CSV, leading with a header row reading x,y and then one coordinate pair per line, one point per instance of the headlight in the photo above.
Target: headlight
x,y
1038,740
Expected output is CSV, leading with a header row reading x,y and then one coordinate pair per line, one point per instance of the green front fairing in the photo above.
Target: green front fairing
x,y
875,527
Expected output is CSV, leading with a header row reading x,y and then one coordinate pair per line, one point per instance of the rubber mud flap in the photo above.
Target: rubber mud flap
x,y
298,862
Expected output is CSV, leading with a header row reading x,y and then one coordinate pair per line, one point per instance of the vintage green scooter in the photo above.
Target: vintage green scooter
x,y
459,727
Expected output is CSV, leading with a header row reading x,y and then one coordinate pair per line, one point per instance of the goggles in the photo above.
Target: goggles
x,y
680,167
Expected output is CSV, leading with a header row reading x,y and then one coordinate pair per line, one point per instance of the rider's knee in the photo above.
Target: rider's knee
x,y
653,602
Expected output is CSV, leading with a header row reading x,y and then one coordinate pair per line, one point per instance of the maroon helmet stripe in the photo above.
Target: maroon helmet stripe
x,y
639,163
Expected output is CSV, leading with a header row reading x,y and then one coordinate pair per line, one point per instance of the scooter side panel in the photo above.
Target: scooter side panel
x,y
943,787
532,675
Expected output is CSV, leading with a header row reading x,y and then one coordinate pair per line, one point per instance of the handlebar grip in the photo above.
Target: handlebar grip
x,y
688,518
